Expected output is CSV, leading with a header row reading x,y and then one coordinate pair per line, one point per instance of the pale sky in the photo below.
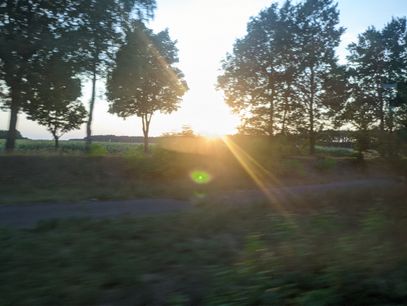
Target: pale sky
x,y
205,31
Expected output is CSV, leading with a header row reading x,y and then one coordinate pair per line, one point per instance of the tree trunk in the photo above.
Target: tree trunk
x,y
146,119
56,140
12,130
311,114
271,110
285,111
146,148
271,114
311,134
382,134
91,107
381,106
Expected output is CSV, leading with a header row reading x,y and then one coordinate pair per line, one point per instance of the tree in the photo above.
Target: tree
x,y
86,32
359,111
186,131
283,75
378,58
3,134
144,79
317,36
29,32
4,97
258,73
102,28
55,105
60,118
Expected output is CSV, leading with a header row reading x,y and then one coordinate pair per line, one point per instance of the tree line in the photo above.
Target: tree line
x,y
284,77
48,48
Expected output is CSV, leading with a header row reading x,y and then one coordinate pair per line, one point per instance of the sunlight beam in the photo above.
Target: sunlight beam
x,y
258,174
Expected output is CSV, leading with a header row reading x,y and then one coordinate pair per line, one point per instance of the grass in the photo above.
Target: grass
x,y
27,146
335,151
122,171
329,249
46,147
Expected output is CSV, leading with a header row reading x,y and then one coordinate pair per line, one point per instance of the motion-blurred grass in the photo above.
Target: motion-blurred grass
x,y
331,249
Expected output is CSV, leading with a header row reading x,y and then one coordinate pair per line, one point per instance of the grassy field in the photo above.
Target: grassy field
x,y
46,147
331,249
27,146
36,173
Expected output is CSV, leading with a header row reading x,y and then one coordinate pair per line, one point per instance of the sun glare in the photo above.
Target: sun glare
x,y
212,135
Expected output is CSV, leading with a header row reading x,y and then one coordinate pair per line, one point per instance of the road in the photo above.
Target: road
x,y
28,215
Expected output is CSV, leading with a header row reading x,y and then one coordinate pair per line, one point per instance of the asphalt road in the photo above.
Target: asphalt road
x,y
28,215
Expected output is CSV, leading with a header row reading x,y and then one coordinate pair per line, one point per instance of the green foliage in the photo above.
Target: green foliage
x,y
56,106
283,76
102,25
31,32
97,150
377,59
186,131
144,79
3,134
258,74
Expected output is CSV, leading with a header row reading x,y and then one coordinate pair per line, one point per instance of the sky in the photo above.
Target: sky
x,y
205,31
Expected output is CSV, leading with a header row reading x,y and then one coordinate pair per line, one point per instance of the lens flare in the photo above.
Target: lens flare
x,y
200,177
261,176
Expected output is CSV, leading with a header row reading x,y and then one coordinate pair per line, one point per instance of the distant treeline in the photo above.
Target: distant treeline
x,y
114,138
3,134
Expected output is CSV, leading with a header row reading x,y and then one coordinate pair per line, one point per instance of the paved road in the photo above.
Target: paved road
x,y
28,215
250,196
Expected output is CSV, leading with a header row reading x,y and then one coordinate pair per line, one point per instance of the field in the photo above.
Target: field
x,y
336,247
36,173
46,147
30,147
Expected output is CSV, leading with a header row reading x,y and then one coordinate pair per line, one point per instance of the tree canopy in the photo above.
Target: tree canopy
x,y
278,76
144,79
56,104
32,32
102,30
